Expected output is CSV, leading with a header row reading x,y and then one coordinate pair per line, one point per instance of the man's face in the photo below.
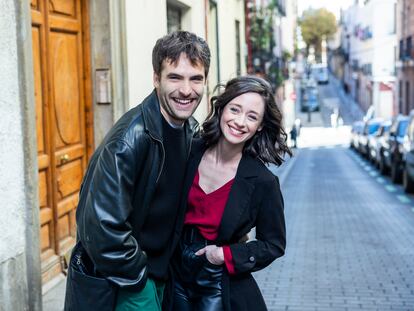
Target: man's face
x,y
180,89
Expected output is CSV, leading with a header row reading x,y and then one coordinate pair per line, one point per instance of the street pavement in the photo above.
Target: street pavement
x,y
350,231
350,238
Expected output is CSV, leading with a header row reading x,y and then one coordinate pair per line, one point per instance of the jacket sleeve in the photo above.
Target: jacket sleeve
x,y
104,226
270,240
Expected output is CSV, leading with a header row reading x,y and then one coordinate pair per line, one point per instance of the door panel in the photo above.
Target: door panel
x,y
64,7
59,53
66,89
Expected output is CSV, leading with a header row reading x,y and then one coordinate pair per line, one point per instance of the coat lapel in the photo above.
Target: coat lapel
x,y
239,197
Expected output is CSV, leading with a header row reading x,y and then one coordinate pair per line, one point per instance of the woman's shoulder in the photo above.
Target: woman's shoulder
x,y
262,171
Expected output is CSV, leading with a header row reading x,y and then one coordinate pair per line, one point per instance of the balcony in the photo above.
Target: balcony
x,y
406,58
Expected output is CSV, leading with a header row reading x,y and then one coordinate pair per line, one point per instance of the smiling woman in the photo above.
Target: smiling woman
x,y
229,190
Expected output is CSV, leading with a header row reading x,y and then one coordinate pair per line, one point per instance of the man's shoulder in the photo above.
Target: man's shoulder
x,y
131,121
130,129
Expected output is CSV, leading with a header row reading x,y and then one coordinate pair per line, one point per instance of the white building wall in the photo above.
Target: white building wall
x,y
288,26
228,12
146,21
19,250
385,38
11,155
379,51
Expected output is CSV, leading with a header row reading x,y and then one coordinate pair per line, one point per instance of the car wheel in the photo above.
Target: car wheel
x,y
408,182
395,173
382,166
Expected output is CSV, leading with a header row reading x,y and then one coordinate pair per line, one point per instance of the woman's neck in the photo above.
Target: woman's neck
x,y
225,153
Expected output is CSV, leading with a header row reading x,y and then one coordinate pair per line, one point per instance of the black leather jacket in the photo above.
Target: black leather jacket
x,y
117,190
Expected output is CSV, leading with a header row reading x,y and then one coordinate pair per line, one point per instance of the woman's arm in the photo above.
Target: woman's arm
x,y
270,240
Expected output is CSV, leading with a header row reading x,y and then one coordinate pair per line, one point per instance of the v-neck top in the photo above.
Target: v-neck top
x,y
205,210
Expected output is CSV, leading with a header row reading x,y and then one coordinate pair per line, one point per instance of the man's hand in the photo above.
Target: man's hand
x,y
214,254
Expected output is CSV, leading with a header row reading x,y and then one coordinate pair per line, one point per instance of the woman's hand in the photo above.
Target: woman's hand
x,y
214,254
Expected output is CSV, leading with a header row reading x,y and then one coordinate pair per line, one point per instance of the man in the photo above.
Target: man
x,y
129,199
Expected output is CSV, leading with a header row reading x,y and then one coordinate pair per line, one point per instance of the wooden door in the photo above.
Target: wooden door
x,y
62,94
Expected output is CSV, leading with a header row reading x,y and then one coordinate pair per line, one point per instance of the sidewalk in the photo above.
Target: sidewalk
x,y
349,108
54,294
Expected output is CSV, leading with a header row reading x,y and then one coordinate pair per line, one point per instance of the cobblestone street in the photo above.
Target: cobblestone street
x,y
350,231
350,241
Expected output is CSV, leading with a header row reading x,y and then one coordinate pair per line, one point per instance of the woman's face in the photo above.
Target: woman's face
x,y
242,117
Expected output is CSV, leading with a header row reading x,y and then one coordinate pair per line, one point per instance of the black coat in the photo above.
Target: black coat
x,y
255,200
116,192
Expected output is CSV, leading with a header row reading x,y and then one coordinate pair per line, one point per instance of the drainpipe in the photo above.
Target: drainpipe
x,y
248,41
206,9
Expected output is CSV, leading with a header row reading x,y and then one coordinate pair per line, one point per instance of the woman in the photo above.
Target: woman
x,y
230,191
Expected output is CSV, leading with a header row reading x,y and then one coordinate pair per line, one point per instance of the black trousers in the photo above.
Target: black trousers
x,y
197,282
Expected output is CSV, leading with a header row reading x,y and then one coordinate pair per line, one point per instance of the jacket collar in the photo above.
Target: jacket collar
x,y
152,117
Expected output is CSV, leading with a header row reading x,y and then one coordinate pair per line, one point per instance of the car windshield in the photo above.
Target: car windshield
x,y
402,128
372,128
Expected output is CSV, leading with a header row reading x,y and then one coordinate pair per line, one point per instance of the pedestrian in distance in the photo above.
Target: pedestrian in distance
x,y
294,135
229,190
129,198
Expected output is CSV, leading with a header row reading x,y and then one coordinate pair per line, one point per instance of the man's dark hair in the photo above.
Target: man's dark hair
x,y
269,144
172,45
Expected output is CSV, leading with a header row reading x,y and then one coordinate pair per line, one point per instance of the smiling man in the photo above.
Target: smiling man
x,y
130,195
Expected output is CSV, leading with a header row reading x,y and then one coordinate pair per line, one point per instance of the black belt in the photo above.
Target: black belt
x,y
191,235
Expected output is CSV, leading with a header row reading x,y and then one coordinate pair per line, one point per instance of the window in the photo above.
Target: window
x,y
173,18
238,53
408,51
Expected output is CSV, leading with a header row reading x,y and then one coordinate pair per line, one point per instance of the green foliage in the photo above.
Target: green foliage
x,y
286,56
261,31
317,24
262,24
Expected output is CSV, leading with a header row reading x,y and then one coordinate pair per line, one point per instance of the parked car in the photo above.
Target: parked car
x,y
408,157
377,140
357,128
370,128
391,158
320,73
310,100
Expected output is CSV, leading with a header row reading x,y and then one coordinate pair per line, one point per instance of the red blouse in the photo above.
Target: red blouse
x,y
205,211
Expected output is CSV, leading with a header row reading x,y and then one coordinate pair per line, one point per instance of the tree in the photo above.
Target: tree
x,y
316,25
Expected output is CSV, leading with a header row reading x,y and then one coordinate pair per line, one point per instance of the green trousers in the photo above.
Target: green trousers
x,y
148,299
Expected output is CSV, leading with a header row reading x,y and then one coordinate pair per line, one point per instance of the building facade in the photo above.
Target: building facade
x,y
70,69
405,64
369,44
